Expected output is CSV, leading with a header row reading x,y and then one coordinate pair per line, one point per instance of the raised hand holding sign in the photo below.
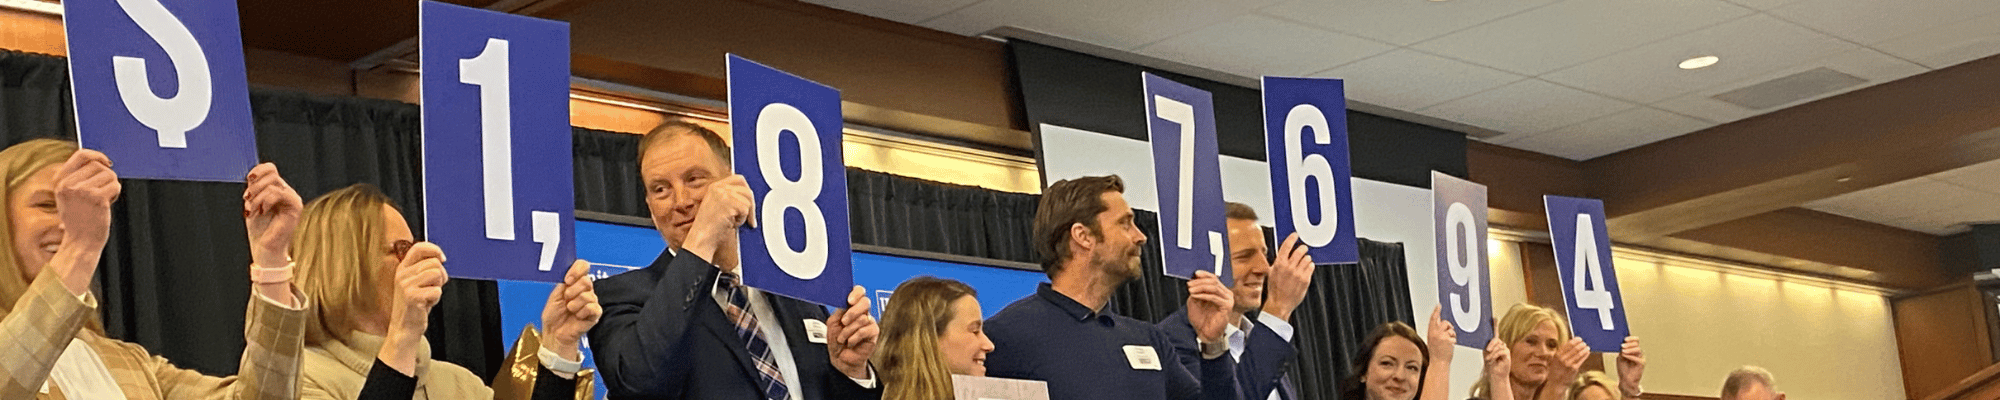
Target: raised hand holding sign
x,y
1305,139
1459,222
159,87
498,83
1186,167
787,145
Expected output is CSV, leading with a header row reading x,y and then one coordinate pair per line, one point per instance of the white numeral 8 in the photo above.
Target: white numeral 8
x,y
774,120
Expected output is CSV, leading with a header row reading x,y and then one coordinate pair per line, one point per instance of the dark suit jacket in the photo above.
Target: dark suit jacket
x,y
663,336
1265,356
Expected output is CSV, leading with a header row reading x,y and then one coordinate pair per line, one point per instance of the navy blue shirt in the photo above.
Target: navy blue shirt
x,y
1082,354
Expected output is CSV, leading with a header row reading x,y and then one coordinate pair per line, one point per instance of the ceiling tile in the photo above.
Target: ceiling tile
x,y
1762,4
1572,32
1528,106
1874,21
1865,63
1748,47
1119,24
905,11
1254,45
1953,218
1410,80
1880,204
1401,22
1949,45
1613,133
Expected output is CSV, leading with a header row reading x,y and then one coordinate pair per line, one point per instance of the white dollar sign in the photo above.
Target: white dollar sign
x,y
172,116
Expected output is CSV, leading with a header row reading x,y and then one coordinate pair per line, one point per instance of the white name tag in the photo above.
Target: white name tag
x,y
1142,357
816,331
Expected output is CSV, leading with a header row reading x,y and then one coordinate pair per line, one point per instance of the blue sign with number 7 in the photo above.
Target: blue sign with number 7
x,y
787,144
1589,283
498,195
1187,171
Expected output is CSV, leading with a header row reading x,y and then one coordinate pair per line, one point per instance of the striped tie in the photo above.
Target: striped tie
x,y
772,380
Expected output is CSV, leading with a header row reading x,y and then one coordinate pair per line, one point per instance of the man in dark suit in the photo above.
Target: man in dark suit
x,y
1261,339
685,327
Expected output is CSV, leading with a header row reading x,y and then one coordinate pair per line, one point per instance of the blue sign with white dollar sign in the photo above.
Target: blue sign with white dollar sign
x,y
159,87
498,192
787,145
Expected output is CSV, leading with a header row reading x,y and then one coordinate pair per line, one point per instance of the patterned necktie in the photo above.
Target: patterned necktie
x,y
738,310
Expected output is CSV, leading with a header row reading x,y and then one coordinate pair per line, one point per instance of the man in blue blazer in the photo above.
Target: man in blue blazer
x,y
684,328
1260,340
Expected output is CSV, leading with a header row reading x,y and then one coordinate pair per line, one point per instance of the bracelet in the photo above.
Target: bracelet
x,y
262,275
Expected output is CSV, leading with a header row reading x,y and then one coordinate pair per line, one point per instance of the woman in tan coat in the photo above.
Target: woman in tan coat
x,y
377,284
59,216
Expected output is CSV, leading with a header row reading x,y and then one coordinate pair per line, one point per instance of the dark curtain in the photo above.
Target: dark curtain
x,y
915,214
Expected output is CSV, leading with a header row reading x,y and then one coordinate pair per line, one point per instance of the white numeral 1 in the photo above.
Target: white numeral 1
x,y
1461,244
173,116
1315,166
774,120
490,72
1588,278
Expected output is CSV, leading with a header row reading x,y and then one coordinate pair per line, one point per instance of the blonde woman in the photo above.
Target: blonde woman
x,y
58,215
1546,358
377,284
931,330
1593,385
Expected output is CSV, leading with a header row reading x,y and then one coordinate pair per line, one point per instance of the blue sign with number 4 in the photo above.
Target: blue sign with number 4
x,y
787,139
160,87
1589,283
497,165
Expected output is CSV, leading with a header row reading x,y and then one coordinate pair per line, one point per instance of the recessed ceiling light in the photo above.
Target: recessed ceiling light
x,y
1699,62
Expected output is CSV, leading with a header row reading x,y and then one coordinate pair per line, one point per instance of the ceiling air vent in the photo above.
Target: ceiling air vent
x,y
1795,87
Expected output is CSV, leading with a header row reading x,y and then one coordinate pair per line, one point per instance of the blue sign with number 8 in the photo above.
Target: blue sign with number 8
x,y
787,145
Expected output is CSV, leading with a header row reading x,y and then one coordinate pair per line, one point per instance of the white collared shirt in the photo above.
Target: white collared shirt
x,y
1240,338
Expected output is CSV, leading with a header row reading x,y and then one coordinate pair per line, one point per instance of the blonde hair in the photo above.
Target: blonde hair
x,y
340,236
18,163
1593,378
1520,319
917,314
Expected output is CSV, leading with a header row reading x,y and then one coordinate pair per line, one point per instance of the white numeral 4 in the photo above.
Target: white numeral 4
x,y
1588,278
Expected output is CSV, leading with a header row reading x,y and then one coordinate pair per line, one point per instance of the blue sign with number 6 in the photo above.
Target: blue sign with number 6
x,y
498,195
787,134
160,87
1305,140
1590,284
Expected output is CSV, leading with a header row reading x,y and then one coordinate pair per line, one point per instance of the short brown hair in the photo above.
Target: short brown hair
x,y
678,128
1235,210
1069,202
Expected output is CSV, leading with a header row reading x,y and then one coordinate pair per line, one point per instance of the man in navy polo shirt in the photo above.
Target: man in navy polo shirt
x,y
1089,246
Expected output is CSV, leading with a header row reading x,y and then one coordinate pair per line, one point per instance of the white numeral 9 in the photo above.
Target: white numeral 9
x,y
774,120
1461,244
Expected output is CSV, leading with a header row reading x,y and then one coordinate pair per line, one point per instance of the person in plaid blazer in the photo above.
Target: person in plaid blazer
x,y
59,213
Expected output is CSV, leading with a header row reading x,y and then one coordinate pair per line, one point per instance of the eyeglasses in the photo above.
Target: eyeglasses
x,y
401,248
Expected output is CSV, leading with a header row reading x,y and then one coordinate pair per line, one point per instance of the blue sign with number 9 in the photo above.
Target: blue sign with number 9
x,y
787,134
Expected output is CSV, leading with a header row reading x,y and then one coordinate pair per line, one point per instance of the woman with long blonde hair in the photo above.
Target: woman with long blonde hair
x,y
1546,357
931,330
376,285
58,215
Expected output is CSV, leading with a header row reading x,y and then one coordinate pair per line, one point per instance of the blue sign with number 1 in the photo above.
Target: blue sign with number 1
x,y
1589,283
787,134
160,87
1305,140
497,165
1187,171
